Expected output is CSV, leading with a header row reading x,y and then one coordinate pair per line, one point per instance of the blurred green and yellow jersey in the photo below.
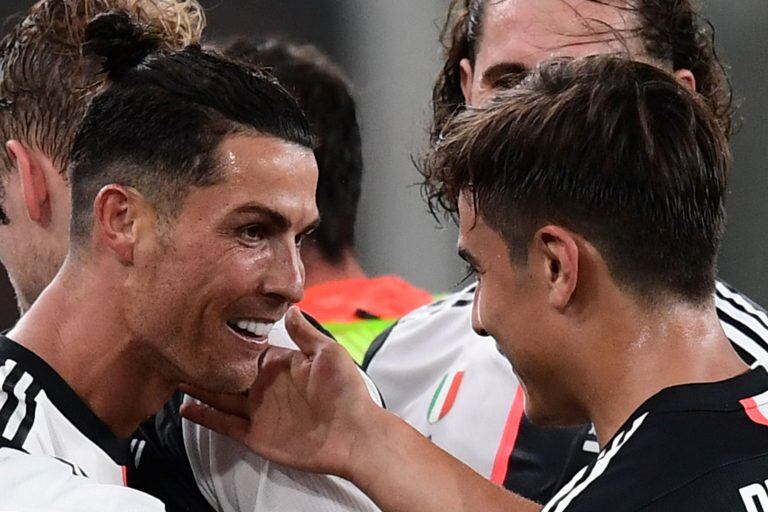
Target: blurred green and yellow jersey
x,y
355,311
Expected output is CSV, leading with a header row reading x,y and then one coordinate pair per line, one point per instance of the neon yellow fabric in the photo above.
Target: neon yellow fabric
x,y
357,336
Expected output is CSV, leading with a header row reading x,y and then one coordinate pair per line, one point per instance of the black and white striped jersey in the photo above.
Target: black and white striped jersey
x,y
55,454
456,388
689,448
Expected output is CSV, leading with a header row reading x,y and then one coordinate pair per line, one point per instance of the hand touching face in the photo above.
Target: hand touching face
x,y
307,409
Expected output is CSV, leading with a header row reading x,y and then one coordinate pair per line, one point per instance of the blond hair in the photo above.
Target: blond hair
x,y
46,82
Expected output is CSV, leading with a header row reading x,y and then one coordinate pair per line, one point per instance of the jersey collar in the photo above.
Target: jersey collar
x,y
66,400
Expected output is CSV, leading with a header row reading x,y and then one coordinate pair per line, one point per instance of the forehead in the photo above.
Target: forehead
x,y
272,172
476,238
468,220
529,31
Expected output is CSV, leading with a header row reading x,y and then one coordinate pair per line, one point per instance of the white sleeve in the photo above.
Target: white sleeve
x,y
41,483
234,479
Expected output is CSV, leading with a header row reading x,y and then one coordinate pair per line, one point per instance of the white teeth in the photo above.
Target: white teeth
x,y
258,329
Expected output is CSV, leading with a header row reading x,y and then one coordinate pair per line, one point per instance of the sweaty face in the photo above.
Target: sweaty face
x,y
210,289
511,305
519,34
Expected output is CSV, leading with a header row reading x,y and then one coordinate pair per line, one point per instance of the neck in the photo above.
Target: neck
x,y
640,353
77,327
319,270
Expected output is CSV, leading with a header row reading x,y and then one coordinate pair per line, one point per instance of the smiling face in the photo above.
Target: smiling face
x,y
512,304
519,34
209,287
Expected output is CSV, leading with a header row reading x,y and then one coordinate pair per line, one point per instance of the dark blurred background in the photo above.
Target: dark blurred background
x,y
389,49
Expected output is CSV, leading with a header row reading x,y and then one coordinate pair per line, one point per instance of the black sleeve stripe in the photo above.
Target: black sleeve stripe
x,y
376,346
747,332
11,402
29,416
744,310
4,443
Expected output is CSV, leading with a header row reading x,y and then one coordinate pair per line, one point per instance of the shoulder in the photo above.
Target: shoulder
x,y
37,482
234,478
682,457
739,485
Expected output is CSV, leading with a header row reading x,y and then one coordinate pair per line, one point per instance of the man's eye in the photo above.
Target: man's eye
x,y
252,233
470,273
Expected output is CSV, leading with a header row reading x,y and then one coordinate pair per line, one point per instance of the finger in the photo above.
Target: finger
x,y
218,421
307,338
228,403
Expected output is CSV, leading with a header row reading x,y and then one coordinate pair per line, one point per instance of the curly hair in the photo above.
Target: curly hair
x,y
46,81
672,31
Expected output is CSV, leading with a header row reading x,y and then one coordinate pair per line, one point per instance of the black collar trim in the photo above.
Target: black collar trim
x,y
67,401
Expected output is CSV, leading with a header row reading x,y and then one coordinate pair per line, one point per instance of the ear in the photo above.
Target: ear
x,y
560,259
32,178
685,77
467,77
116,210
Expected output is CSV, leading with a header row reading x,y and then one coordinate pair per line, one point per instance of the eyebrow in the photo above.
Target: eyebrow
x,y
276,218
511,70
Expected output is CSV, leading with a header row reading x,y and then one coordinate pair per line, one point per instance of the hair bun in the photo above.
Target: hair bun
x,y
120,40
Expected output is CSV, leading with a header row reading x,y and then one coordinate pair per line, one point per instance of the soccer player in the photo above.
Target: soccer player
x,y
352,306
431,368
596,269
221,194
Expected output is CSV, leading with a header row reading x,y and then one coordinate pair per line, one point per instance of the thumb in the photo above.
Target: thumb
x,y
304,334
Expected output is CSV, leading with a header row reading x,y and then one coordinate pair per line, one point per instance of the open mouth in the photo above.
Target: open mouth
x,y
254,330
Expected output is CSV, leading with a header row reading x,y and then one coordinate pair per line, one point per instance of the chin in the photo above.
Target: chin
x,y
227,377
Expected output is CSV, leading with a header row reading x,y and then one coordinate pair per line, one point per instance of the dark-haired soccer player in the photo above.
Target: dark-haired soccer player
x,y
184,252
353,307
431,368
595,262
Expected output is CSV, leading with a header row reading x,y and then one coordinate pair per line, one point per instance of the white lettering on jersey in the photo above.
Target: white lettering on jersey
x,y
755,497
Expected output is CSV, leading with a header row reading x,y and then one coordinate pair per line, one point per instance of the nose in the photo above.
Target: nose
x,y
477,320
286,278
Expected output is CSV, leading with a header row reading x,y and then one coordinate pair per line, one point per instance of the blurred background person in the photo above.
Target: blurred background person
x,y
352,306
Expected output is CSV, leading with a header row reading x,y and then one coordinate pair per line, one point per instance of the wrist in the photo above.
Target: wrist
x,y
370,437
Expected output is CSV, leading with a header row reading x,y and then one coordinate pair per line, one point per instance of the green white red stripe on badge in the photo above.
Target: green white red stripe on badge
x,y
445,396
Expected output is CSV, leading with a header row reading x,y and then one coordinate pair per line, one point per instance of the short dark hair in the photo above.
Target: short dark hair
x,y
158,124
615,150
323,92
673,32
46,81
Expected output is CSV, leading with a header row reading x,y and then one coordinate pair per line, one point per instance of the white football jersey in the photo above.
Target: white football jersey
x,y
55,454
